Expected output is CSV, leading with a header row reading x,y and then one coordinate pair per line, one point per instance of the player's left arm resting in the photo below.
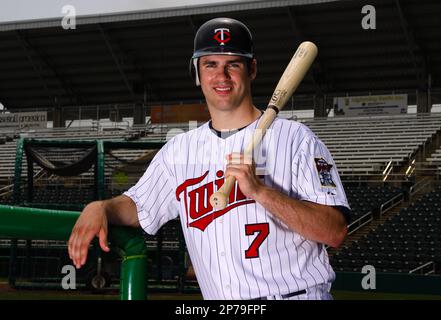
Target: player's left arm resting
x,y
321,223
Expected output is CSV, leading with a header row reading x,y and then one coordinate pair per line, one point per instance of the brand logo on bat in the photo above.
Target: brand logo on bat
x,y
277,96
198,209
222,35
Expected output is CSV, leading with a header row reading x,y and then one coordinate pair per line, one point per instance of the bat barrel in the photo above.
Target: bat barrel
x,y
294,74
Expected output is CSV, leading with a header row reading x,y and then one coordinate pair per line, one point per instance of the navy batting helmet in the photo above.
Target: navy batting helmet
x,y
224,36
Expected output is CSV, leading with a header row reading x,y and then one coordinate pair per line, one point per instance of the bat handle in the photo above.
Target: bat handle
x,y
219,199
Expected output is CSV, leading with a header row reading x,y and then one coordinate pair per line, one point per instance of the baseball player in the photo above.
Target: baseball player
x,y
288,201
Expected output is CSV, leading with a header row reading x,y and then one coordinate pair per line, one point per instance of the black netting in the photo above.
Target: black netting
x,y
71,162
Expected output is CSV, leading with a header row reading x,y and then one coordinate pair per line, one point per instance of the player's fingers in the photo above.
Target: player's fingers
x,y
70,245
84,247
75,250
235,170
73,244
81,247
83,255
245,168
239,166
102,236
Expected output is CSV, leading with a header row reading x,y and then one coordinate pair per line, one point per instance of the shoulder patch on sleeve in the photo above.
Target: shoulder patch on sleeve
x,y
324,172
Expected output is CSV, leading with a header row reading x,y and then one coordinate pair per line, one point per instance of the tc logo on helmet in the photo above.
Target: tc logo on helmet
x,y
222,35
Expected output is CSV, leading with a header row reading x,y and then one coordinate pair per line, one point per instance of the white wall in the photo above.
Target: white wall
x,y
23,10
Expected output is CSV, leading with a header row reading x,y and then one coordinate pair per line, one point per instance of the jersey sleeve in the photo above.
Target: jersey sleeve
x,y
315,175
154,196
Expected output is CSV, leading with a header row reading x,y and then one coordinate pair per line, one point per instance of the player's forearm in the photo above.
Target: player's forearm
x,y
121,211
313,221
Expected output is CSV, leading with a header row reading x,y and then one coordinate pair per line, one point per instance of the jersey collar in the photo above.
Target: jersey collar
x,y
228,133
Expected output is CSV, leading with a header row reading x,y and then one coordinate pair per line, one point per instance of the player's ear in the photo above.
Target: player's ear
x,y
252,69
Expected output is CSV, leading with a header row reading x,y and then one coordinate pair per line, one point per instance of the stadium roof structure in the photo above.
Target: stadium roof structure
x,y
143,57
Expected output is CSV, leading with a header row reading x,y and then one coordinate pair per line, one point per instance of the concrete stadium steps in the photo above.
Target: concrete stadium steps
x,y
435,158
366,145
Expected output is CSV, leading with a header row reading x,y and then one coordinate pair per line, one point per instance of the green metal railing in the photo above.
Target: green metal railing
x,y
23,222
32,223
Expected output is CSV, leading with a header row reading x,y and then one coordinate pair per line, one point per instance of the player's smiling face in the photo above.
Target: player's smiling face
x,y
225,81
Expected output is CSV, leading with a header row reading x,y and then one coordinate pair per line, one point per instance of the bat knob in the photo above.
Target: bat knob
x,y
218,200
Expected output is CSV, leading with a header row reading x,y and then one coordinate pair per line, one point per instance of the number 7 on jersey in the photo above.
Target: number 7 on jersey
x,y
263,231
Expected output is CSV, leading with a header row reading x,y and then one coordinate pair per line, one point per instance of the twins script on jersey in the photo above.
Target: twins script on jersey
x,y
242,251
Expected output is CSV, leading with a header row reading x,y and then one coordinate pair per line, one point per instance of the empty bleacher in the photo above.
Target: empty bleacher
x,y
434,161
406,242
436,156
359,145
369,201
367,145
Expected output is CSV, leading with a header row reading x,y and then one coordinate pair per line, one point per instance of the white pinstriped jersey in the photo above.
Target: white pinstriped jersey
x,y
243,251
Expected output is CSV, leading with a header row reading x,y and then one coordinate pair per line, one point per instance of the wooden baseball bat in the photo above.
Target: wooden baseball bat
x,y
288,83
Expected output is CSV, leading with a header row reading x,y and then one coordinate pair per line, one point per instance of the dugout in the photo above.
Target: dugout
x,y
66,175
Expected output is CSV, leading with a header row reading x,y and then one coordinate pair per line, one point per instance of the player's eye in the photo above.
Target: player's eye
x,y
235,65
210,65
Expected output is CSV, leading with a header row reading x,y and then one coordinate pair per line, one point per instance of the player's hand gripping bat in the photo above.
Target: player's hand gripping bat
x,y
288,83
